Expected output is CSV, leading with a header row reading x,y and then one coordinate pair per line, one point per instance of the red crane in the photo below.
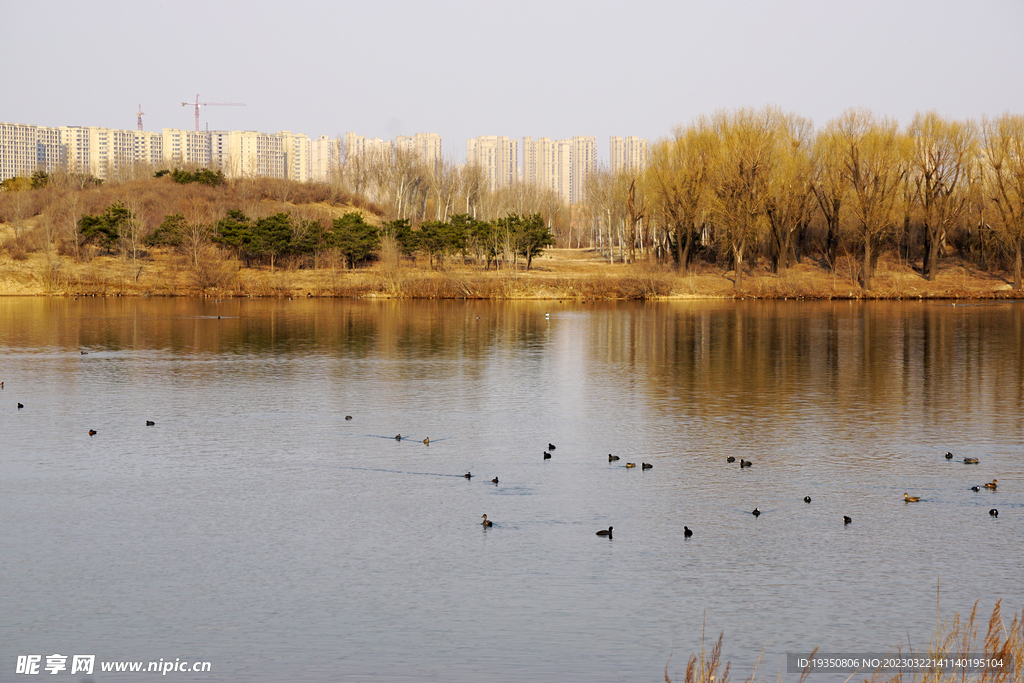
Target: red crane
x,y
207,104
141,114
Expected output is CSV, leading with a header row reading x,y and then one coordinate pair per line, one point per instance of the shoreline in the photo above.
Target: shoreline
x,y
574,274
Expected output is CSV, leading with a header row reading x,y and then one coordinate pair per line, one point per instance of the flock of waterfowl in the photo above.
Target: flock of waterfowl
x,y
92,432
547,456
991,486
907,498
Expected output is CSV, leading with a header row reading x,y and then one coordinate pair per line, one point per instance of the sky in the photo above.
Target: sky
x,y
465,68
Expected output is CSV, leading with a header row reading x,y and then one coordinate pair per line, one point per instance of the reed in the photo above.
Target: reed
x,y
958,638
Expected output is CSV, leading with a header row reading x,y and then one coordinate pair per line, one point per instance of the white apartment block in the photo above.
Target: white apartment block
x,y
539,163
426,146
296,156
562,160
186,147
627,154
584,164
497,156
562,166
361,146
324,157
25,149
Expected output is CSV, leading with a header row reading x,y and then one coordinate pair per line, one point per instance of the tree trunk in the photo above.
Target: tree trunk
x,y
866,270
1019,245
931,253
681,255
737,257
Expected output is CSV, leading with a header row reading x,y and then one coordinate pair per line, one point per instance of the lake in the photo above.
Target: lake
x,y
254,527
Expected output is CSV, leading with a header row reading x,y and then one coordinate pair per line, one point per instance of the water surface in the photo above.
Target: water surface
x,y
254,527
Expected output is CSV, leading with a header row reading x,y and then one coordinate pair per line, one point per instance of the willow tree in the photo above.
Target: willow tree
x,y
788,202
1003,182
874,162
739,174
942,153
677,179
830,185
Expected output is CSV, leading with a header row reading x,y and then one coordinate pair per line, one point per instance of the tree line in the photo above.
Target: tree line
x,y
511,240
748,185
736,188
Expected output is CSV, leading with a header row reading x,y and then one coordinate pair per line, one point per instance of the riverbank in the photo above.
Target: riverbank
x,y
558,274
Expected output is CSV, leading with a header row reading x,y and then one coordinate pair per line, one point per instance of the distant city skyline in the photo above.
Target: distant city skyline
x,y
561,166
600,69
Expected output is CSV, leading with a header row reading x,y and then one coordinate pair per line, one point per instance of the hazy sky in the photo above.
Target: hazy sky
x,y
464,68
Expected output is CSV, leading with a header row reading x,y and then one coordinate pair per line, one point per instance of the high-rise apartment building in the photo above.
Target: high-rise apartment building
x,y
295,147
539,163
324,157
562,166
186,147
426,146
497,156
584,164
25,149
629,153
361,146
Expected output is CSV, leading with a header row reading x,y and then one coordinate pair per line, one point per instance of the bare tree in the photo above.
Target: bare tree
x,y
942,153
874,158
789,187
132,232
678,178
1003,182
830,185
739,177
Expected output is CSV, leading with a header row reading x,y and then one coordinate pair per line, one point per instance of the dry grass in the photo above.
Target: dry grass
x,y
954,640
579,274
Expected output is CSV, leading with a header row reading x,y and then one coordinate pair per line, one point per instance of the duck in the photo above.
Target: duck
x,y
756,512
487,522
547,456
348,417
20,406
994,512
398,437
494,481
1,385
949,456
92,432
84,353
150,423
426,441
907,498
630,464
605,532
847,519
807,499
975,488
467,475
646,466
970,461
686,532
991,485
551,446
745,463
730,459
612,458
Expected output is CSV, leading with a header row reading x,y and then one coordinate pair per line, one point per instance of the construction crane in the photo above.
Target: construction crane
x,y
207,104
141,114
